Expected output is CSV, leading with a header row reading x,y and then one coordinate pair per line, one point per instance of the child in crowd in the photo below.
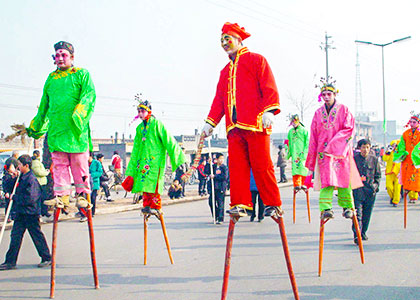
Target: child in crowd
x,y
175,190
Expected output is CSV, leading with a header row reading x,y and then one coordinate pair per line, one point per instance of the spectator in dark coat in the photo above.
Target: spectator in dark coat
x,y
220,176
27,198
281,163
255,194
175,190
364,197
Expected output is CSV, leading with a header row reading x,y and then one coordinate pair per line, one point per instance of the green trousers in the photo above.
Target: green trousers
x,y
345,198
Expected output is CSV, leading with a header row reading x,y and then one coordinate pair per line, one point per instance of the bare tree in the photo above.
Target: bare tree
x,y
302,103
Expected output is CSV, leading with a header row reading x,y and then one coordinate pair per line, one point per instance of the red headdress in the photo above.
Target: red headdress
x,y
235,30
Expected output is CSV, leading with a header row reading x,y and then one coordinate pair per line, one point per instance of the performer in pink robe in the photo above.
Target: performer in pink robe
x,y
330,154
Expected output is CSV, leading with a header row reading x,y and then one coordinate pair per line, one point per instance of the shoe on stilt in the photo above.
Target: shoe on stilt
x,y
81,202
304,188
297,188
394,204
237,211
327,214
347,213
356,241
83,219
146,210
271,211
56,202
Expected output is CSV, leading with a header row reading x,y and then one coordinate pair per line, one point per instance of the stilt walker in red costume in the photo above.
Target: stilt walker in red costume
x,y
247,96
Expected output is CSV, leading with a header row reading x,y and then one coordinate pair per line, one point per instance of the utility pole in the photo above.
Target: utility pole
x,y
325,46
358,93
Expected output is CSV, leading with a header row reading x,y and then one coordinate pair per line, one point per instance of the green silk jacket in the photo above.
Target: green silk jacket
x,y
298,149
66,107
148,158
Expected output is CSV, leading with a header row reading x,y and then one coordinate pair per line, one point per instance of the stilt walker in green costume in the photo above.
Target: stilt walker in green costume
x,y
298,150
65,110
146,169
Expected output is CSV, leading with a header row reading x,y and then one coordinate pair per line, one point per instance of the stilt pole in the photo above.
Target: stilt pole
x,y
145,218
321,245
165,235
294,206
229,243
405,209
308,205
359,236
54,251
88,213
279,220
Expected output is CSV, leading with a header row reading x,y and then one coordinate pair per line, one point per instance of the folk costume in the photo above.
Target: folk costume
x,y
247,90
146,169
298,151
330,154
392,169
408,154
65,110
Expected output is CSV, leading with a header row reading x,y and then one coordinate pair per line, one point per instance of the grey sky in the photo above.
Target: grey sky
x,y
170,51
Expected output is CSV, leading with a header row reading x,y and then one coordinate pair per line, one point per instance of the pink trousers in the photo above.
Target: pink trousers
x,y
79,166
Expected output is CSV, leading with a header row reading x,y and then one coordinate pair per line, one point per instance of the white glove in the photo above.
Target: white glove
x,y
207,129
267,119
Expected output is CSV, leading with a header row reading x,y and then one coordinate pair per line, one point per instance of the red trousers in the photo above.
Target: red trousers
x,y
152,199
248,149
298,180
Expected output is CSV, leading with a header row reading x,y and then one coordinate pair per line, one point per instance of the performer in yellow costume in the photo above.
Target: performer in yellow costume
x,y
392,170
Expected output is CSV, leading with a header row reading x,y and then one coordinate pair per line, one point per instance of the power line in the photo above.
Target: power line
x,y
27,88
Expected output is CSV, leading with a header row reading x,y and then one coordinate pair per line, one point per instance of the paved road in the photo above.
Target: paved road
x,y
258,269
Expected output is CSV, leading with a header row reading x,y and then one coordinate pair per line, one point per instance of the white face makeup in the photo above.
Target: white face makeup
x,y
230,43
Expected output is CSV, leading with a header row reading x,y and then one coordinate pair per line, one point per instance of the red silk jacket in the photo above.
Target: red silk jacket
x,y
246,90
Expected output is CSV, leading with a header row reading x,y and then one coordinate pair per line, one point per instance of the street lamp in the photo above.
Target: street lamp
x,y
383,72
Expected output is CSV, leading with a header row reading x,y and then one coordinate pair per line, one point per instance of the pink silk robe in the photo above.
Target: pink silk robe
x,y
330,152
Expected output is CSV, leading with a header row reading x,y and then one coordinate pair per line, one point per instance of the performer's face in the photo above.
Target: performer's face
x,y
142,113
295,124
328,97
230,43
364,150
63,59
413,123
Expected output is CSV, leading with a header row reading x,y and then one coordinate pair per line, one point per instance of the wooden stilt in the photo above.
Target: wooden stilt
x,y
294,205
54,252
88,213
359,236
229,243
405,209
145,219
321,245
165,235
279,220
308,205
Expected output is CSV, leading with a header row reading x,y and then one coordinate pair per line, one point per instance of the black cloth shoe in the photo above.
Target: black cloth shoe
x,y
327,214
364,237
237,211
6,266
44,264
356,241
271,211
146,210
251,219
347,213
